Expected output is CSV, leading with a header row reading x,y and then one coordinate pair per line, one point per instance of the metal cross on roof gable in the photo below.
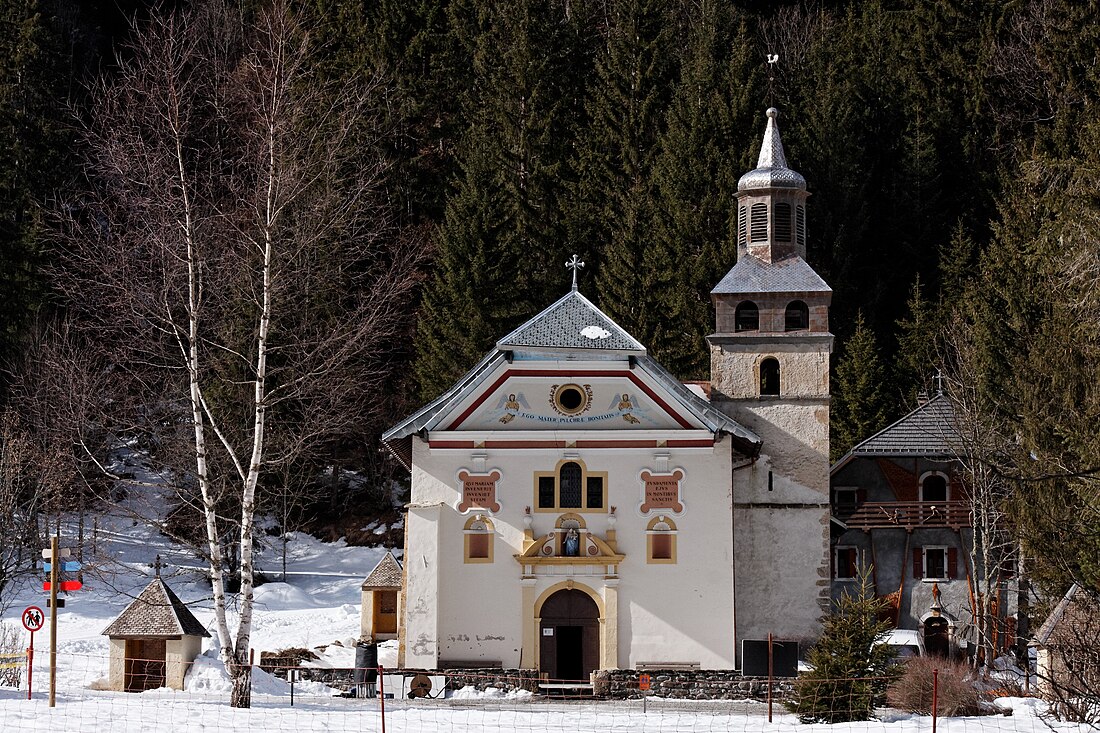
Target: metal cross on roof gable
x,y
574,264
157,565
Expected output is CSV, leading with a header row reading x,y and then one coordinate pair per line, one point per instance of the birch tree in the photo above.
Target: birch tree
x,y
231,254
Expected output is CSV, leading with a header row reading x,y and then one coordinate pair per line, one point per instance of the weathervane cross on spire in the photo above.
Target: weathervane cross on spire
x,y
574,264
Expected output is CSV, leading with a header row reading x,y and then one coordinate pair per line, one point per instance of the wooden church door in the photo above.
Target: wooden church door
x,y
569,636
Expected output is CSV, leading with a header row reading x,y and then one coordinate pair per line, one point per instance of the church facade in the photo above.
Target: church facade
x,y
575,507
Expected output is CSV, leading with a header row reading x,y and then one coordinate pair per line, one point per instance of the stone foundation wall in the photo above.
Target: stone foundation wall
x,y
696,684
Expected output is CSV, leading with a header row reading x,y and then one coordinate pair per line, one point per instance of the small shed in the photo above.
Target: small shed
x,y
1065,648
153,641
381,600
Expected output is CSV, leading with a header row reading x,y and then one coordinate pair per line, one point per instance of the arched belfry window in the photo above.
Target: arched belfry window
x,y
800,225
781,226
742,225
747,317
769,377
759,223
797,317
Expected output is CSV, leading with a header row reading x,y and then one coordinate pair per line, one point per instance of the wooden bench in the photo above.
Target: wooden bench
x,y
674,666
470,664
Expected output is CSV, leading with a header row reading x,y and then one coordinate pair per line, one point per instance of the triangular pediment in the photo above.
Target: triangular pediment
x,y
572,323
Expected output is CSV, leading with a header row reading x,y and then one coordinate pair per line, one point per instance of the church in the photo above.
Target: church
x,y
574,507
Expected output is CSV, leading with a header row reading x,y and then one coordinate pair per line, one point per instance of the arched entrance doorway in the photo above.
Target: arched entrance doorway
x,y
569,636
937,641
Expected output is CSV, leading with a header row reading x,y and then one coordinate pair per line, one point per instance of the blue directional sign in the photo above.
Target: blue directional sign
x,y
66,566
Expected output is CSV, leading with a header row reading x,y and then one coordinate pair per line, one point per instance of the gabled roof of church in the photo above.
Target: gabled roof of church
x,y
156,612
789,275
386,574
573,322
928,430
567,324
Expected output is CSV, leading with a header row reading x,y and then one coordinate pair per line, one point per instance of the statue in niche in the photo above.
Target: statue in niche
x,y
572,545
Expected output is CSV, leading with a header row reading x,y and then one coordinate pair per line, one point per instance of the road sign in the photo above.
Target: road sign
x,y
69,566
64,585
33,618
61,552
643,682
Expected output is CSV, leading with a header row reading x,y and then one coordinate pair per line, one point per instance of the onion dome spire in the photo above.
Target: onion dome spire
x,y
771,167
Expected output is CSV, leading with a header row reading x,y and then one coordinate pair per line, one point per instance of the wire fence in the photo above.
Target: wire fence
x,y
92,696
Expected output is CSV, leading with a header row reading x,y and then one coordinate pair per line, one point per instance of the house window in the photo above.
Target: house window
x,y
759,223
571,486
782,223
769,377
933,487
935,563
661,541
845,562
747,317
478,539
797,317
846,500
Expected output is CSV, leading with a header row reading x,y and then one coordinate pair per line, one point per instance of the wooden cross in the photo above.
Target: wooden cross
x,y
158,565
574,264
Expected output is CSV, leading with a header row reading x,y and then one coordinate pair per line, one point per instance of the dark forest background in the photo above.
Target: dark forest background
x,y
950,149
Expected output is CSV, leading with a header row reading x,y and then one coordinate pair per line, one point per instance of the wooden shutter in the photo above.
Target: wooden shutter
x,y
918,563
852,559
952,563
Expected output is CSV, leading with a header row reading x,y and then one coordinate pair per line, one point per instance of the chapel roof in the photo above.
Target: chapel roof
x,y
564,327
929,430
386,574
771,167
156,612
572,322
789,275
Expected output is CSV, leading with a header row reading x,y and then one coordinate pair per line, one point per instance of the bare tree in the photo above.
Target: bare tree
x,y
232,256
985,455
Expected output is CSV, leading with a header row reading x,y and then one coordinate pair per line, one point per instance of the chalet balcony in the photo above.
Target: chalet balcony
x,y
908,515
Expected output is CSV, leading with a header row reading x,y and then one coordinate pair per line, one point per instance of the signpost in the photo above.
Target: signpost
x,y
33,620
52,564
644,681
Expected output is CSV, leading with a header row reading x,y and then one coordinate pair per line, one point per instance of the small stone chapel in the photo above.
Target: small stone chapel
x,y
575,507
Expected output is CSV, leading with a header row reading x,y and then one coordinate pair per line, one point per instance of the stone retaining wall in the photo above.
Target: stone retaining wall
x,y
695,684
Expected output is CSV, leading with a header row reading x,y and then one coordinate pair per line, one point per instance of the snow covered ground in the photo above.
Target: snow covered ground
x,y
318,608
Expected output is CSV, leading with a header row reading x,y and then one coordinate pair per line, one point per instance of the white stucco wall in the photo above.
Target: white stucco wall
x,y
475,611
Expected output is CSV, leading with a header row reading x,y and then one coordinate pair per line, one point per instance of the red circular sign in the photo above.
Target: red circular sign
x,y
33,618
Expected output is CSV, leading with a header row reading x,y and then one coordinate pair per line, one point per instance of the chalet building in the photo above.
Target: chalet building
x,y
576,507
901,513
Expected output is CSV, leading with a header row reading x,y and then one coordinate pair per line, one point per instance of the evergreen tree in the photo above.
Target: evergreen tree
x,y
695,179
611,209
860,402
851,667
500,252
917,348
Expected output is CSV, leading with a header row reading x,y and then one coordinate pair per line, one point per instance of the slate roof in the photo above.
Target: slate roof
x,y
1042,636
928,430
386,574
573,322
788,275
771,167
157,612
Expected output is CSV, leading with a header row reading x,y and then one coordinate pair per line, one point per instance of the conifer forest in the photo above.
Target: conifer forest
x,y
442,159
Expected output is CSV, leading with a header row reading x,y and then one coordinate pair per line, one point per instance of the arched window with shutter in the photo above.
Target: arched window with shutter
x,y
797,316
759,222
661,541
781,224
478,539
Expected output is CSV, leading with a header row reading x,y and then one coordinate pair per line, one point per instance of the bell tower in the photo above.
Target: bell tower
x,y
770,372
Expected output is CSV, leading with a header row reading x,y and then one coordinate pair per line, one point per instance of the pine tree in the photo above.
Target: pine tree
x,y
611,208
917,348
500,251
851,667
860,404
695,180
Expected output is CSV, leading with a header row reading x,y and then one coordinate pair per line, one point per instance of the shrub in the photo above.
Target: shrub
x,y
850,671
957,694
